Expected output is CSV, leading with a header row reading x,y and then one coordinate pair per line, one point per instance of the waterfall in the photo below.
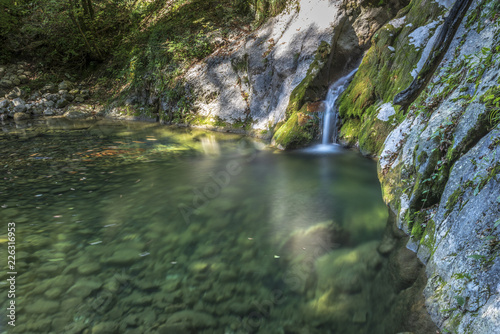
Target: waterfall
x,y
330,116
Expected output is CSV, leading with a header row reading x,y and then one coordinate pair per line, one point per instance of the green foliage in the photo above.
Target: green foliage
x,y
72,32
491,98
8,22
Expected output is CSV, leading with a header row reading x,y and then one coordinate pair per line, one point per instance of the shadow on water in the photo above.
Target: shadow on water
x,y
137,228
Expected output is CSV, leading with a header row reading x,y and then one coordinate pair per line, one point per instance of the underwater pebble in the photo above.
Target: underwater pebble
x,y
89,269
42,306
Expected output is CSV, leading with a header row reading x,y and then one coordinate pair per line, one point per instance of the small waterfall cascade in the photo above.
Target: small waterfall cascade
x,y
330,114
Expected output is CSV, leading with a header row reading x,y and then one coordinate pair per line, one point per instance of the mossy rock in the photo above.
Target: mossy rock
x,y
298,131
381,75
294,135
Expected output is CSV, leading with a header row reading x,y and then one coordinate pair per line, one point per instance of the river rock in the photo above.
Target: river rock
x,y
446,163
20,116
192,320
67,96
89,269
108,327
5,83
122,257
48,88
41,306
51,97
10,212
65,85
53,293
15,93
49,112
19,105
35,96
78,112
172,329
4,103
61,103
84,287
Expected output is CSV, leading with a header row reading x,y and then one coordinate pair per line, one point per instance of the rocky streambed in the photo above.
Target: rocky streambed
x,y
141,228
20,103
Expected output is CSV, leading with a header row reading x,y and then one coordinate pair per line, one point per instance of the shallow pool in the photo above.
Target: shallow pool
x,y
141,228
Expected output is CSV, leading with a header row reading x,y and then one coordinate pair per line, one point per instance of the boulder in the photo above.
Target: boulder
x,y
49,112
192,320
61,103
5,83
51,97
84,93
15,93
65,85
4,103
67,96
34,96
49,88
107,327
78,112
19,105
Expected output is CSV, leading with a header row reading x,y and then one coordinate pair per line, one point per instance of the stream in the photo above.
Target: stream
x,y
139,228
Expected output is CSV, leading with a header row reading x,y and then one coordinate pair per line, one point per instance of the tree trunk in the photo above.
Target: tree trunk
x,y
92,48
88,9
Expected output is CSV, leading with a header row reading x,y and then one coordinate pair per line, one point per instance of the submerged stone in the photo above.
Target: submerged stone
x,y
89,269
41,306
84,287
189,319
122,257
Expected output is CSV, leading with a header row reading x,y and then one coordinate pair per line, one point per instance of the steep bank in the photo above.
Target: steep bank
x,y
439,164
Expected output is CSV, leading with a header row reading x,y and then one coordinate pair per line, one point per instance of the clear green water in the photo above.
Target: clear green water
x,y
139,228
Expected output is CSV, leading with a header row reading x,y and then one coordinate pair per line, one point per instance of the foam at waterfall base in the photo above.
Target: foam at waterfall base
x,y
324,149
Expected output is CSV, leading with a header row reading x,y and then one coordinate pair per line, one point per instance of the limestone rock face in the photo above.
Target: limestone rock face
x,y
440,173
254,77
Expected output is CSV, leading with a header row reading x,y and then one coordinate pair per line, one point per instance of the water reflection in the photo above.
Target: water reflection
x,y
137,228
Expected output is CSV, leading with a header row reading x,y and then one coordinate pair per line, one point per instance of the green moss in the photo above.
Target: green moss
x,y
382,74
349,131
492,173
291,134
220,122
428,239
299,94
422,157
372,134
418,223
453,200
